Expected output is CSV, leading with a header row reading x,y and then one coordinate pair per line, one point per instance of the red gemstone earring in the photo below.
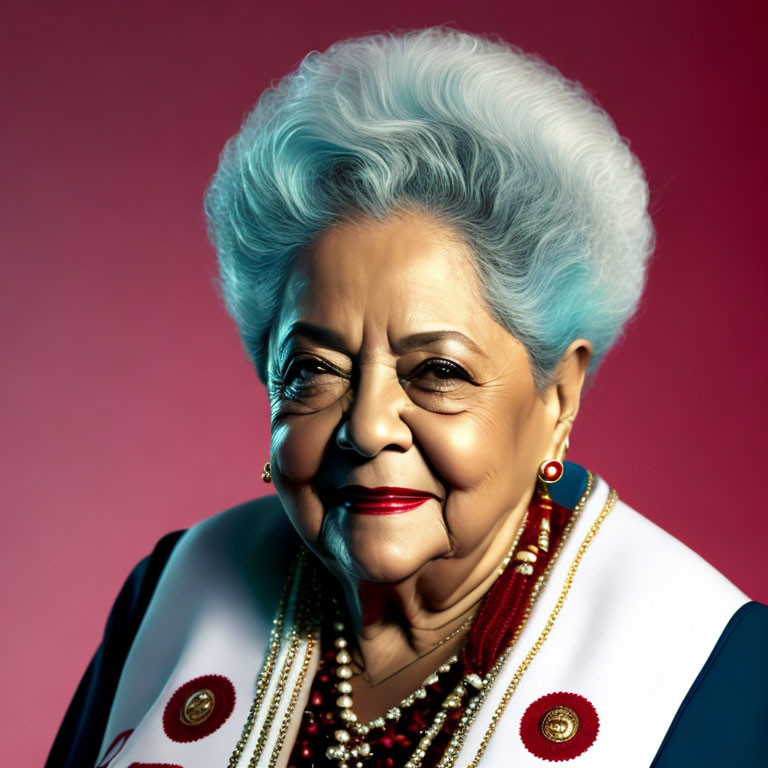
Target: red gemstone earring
x,y
266,473
550,471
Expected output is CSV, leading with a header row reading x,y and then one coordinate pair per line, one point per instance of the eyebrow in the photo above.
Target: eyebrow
x,y
430,337
334,340
324,336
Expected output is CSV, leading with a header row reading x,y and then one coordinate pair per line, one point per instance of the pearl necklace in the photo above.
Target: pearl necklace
x,y
352,744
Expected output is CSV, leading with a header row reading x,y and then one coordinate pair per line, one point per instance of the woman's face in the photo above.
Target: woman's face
x,y
388,371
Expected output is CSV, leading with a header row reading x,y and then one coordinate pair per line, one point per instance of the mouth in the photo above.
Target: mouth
x,y
381,501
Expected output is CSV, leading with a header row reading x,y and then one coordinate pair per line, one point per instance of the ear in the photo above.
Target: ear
x,y
566,393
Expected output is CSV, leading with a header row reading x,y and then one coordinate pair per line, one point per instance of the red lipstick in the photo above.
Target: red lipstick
x,y
382,501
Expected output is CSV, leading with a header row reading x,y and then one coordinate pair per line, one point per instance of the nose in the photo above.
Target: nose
x,y
374,421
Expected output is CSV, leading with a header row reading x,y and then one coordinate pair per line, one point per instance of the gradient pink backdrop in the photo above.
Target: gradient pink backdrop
x,y
127,407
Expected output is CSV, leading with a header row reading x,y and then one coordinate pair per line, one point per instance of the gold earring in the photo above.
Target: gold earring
x,y
550,471
266,473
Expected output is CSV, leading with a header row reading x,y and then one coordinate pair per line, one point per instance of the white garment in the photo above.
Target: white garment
x,y
639,621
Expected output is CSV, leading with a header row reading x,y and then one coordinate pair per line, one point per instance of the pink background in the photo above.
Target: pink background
x,y
127,407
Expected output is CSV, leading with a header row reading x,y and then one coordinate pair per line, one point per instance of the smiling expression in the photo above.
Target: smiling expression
x,y
387,371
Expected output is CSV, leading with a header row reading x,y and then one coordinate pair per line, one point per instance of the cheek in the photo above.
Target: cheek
x,y
457,448
483,446
299,444
488,459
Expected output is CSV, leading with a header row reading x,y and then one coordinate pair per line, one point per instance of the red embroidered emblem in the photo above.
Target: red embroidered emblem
x,y
559,726
199,708
154,765
114,748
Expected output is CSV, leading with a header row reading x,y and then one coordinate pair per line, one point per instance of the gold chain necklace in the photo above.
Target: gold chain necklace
x,y
480,692
294,591
351,736
457,742
303,605
610,503
464,626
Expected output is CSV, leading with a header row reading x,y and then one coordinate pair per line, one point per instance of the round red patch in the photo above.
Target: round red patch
x,y
199,708
559,726
154,765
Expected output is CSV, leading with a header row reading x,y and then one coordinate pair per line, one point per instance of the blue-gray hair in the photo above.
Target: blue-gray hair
x,y
491,141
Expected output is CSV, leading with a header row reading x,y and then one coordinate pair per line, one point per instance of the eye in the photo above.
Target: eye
x,y
302,370
308,377
438,374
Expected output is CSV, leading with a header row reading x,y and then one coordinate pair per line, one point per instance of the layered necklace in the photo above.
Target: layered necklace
x,y
427,727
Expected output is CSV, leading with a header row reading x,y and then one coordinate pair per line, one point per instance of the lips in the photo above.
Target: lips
x,y
381,501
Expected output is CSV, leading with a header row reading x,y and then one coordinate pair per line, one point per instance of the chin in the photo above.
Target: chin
x,y
383,548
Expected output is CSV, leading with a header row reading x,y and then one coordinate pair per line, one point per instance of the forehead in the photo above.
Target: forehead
x,y
405,273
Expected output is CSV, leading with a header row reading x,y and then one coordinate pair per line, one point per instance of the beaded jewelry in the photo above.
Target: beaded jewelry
x,y
404,733
427,729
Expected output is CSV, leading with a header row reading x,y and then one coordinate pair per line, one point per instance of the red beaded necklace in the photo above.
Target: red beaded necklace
x,y
392,741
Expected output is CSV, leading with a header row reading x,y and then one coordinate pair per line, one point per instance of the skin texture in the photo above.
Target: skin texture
x,y
387,369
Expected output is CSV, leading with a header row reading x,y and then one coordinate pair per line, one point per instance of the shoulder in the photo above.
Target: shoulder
x,y
632,555
259,520
212,607
638,614
658,596
690,633
253,540
722,719
239,555
648,560
156,607
79,736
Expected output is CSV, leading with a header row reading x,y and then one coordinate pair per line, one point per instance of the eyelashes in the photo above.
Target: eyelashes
x,y
438,374
316,382
306,374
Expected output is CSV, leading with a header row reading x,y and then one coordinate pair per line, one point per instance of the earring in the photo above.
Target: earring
x,y
266,473
550,471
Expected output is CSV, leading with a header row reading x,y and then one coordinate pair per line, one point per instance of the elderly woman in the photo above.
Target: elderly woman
x,y
428,241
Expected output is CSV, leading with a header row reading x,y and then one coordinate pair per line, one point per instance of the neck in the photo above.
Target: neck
x,y
405,630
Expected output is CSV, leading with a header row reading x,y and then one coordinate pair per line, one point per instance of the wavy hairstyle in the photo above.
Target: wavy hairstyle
x,y
493,142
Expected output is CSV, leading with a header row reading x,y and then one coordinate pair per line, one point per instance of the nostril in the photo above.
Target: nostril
x,y
370,442
342,437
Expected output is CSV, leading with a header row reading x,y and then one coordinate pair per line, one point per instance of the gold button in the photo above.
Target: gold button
x,y
198,707
559,724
